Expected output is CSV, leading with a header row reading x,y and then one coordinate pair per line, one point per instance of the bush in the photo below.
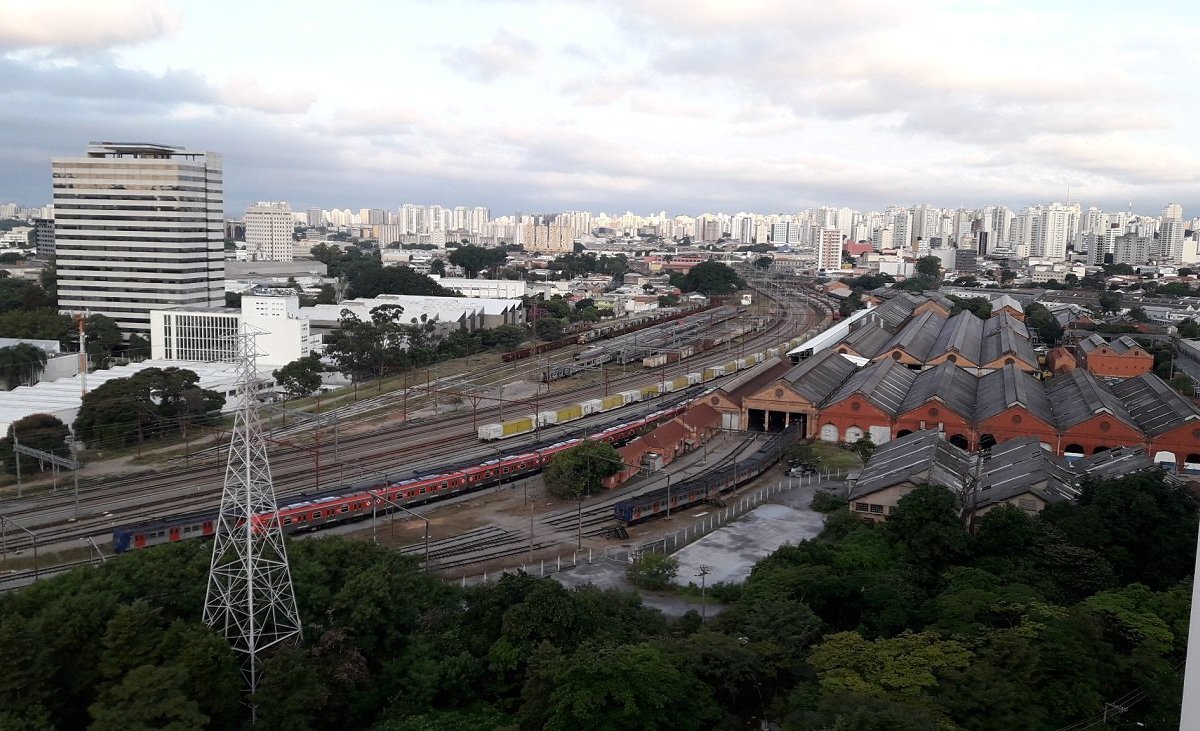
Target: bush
x,y
652,571
824,501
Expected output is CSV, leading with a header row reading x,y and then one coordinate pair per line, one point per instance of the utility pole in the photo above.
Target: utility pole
x,y
704,572
250,599
83,389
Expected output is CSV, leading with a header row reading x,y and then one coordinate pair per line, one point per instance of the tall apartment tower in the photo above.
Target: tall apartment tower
x,y
1170,234
138,227
829,249
269,229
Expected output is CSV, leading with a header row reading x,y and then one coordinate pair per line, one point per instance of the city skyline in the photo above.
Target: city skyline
x,y
537,106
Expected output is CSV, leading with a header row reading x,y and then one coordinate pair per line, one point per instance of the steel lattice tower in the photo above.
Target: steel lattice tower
x,y
250,598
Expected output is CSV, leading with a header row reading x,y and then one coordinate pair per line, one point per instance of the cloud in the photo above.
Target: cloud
x,y
249,93
83,24
505,53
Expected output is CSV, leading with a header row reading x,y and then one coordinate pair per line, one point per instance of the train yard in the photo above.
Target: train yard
x,y
62,520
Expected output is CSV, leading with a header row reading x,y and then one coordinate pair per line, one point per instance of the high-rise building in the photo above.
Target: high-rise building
x,y
1170,234
1055,230
829,249
316,217
43,236
269,229
138,227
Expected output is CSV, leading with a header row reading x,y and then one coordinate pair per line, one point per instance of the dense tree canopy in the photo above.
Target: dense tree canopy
x,y
1042,320
581,469
43,432
475,259
1028,623
712,278
21,364
372,280
152,403
301,377
981,306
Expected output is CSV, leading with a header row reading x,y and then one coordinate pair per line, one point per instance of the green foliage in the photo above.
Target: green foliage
x,y
905,665
505,337
301,377
575,265
43,323
138,348
23,294
152,403
1138,314
827,502
711,278
868,282
103,337
1110,301
981,306
1189,329
549,328
38,431
1175,289
929,267
1039,318
652,571
919,283
372,280
475,259
580,470
21,364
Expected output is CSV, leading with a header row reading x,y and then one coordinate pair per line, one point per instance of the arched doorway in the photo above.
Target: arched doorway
x,y
960,441
853,434
1191,463
903,433
1165,459
1073,452
1098,450
829,433
986,441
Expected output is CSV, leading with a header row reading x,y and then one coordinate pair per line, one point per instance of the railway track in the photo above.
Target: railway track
x,y
375,452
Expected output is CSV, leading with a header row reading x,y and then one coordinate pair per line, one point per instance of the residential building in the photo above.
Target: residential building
x,y
269,229
829,250
43,236
138,227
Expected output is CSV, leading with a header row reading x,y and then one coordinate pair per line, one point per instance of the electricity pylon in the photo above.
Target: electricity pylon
x,y
250,598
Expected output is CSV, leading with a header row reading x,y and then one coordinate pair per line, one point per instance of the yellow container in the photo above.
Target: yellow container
x,y
648,391
615,401
731,366
679,383
517,426
569,413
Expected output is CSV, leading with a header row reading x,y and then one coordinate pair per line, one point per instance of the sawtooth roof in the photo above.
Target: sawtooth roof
x,y
867,339
816,377
953,386
884,384
922,457
917,336
962,335
1155,406
1007,387
1078,396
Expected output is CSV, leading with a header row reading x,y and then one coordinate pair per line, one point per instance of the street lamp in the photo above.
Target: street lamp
x,y
375,505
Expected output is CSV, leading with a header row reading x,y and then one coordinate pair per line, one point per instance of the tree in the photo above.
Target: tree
x,y
1041,319
301,377
764,262
48,278
22,294
927,528
712,278
548,328
138,348
505,337
20,364
438,267
327,295
1138,314
103,337
152,403
373,280
652,571
475,259
148,697
580,470
39,324
39,431
903,666
233,299
865,447
1110,301
929,267
1189,329
981,306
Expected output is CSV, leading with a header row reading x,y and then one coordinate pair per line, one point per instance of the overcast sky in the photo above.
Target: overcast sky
x,y
687,106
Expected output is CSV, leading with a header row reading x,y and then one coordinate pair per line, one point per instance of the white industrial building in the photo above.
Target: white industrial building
x,y
269,229
206,334
64,396
448,313
489,288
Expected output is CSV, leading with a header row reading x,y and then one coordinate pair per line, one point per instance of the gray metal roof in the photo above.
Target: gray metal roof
x,y
1007,300
816,377
1010,386
961,335
922,457
953,386
867,339
1114,463
1155,406
1022,466
896,310
1091,342
1005,335
1078,396
918,335
884,384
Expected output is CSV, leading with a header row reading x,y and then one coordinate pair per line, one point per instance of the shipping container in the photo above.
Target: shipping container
x,y
687,351
666,387
632,396
731,367
654,361
547,417
714,372
743,363
517,426
680,383
569,413
487,432
693,378
591,406
649,391
615,401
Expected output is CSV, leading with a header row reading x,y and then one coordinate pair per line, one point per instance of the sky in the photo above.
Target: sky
x,y
687,106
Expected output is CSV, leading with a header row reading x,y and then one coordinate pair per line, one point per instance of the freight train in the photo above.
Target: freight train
x,y
599,332
320,510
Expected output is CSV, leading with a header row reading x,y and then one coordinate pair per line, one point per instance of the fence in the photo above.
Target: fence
x,y
707,523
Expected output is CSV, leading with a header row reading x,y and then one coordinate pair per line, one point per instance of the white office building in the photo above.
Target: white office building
x,y
138,227
207,334
269,229
503,289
